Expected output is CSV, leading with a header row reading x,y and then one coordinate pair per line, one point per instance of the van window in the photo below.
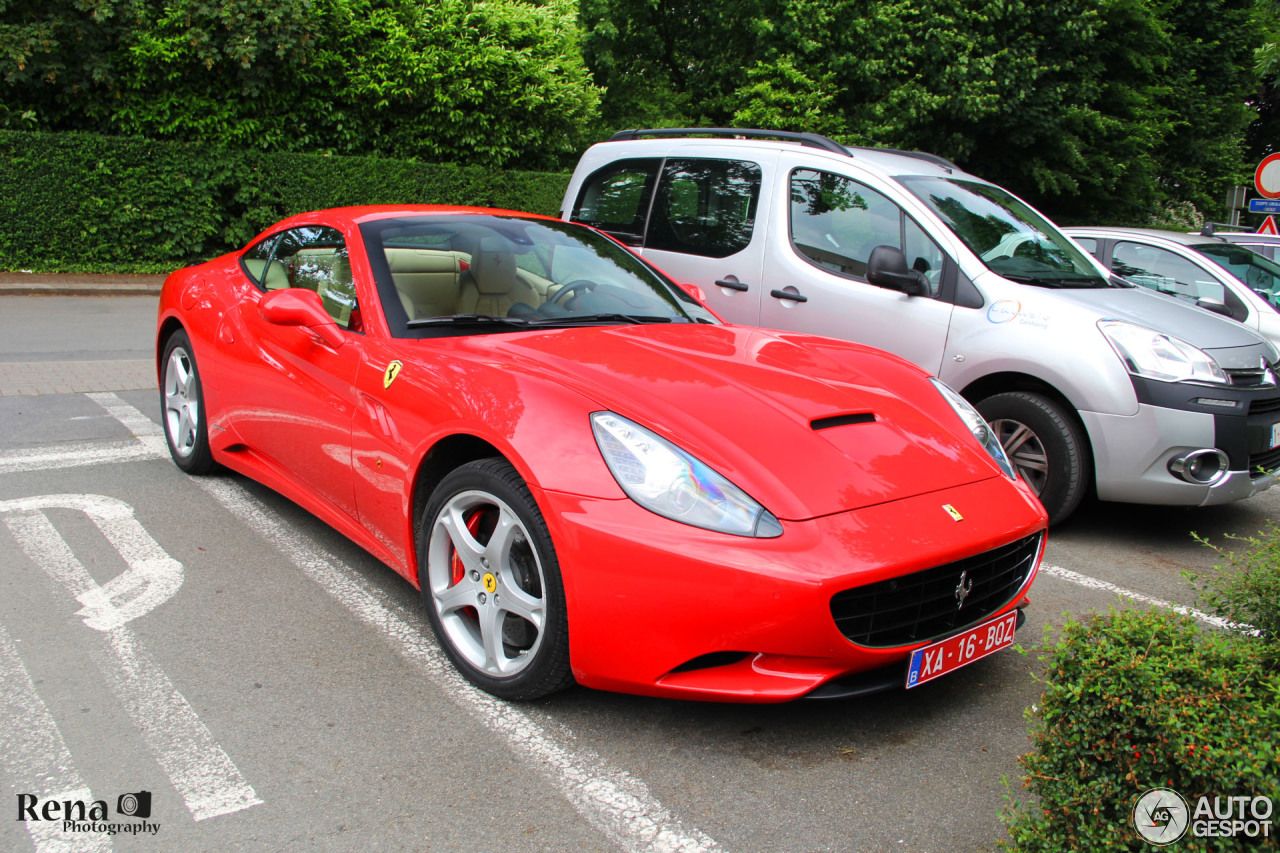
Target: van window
x,y
836,222
705,207
615,199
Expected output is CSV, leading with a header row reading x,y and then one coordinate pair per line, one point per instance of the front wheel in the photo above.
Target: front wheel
x,y
182,402
1046,446
491,582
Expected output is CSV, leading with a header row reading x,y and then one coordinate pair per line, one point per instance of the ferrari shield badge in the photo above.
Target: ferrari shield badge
x,y
953,512
390,374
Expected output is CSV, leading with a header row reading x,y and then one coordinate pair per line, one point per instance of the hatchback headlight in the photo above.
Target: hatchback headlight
x,y
666,480
1148,353
977,425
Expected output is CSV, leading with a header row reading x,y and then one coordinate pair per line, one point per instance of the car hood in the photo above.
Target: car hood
x,y
745,401
1140,306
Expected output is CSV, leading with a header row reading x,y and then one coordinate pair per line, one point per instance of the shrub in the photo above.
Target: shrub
x,y
1245,586
83,202
1136,700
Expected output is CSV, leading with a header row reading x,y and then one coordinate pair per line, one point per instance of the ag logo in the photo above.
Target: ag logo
x,y
390,374
1161,816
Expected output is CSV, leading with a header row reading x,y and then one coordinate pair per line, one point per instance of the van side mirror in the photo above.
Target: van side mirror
x,y
887,267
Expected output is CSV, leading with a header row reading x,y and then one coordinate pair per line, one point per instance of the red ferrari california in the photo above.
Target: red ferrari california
x,y
589,476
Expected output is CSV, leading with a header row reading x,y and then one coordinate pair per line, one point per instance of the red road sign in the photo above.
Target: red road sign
x,y
1267,178
1269,226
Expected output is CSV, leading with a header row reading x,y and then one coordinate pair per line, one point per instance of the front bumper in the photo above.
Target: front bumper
x,y
664,609
1132,452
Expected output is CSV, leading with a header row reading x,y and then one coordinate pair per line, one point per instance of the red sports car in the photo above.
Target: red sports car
x,y
589,476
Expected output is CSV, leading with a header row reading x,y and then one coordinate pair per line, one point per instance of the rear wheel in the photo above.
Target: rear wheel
x,y
491,582
1046,446
182,407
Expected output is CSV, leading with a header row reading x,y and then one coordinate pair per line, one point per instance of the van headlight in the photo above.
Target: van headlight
x,y
666,480
977,425
1153,355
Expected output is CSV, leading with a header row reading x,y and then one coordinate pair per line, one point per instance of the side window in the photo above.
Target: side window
x,y
1164,271
1089,244
705,207
836,222
615,199
256,264
315,257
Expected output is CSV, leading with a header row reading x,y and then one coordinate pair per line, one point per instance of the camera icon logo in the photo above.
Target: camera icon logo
x,y
137,804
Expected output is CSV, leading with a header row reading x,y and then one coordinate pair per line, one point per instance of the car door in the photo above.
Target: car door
x,y
816,271
699,218
296,392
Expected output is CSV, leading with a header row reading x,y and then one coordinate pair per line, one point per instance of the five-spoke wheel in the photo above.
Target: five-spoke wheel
x,y
492,583
182,402
1046,445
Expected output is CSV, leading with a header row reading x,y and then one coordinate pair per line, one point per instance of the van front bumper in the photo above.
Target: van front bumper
x,y
1132,454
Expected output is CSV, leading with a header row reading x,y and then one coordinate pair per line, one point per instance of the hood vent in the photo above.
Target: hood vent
x,y
843,420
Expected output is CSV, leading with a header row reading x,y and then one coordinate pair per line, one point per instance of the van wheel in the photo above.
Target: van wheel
x,y
1046,446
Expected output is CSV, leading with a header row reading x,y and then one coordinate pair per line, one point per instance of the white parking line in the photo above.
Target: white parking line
x,y
36,758
202,773
1094,583
82,453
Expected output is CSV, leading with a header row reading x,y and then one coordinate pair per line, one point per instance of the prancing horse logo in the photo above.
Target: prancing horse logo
x,y
392,371
963,589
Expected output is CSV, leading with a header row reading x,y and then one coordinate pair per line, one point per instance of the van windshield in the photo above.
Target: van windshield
x,y
1011,239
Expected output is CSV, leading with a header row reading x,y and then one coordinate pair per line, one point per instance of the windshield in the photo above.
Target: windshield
x,y
463,274
1261,275
1010,238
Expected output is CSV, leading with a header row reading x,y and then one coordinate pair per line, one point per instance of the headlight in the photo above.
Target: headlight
x,y
664,479
985,435
1146,352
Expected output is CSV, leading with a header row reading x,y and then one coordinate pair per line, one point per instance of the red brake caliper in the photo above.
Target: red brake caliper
x,y
457,570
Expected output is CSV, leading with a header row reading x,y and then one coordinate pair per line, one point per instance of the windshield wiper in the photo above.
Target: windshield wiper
x,y
1055,280
578,319
467,320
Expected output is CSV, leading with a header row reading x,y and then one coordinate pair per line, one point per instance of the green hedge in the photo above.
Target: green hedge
x,y
82,202
1141,700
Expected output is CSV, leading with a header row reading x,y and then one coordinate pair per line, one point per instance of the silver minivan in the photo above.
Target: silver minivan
x,y
1089,382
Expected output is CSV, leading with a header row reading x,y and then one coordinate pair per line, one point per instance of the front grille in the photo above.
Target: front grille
x,y
923,605
1251,377
1265,407
1268,461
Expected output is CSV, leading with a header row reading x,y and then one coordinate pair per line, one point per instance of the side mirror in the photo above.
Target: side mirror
x,y
696,292
887,267
296,306
1217,306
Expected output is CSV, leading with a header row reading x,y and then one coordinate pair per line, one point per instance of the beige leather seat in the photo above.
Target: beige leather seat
x,y
492,286
426,280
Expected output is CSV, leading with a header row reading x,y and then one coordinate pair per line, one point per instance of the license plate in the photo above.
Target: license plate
x,y
1275,435
962,649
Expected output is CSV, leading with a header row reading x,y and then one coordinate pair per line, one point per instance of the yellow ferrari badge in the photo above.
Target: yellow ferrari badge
x,y
390,374
953,512
490,583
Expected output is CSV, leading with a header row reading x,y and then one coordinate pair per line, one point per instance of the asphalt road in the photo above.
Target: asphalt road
x,y
276,688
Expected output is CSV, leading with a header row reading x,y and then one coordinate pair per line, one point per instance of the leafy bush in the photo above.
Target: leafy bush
x,y
82,202
1137,700
1245,587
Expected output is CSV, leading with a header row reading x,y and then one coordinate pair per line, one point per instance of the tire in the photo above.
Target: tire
x,y
491,582
182,407
1046,445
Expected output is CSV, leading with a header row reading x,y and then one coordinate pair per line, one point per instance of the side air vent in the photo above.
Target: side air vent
x,y
843,420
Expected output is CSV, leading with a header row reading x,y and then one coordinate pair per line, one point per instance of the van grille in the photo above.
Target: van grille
x,y
1251,377
925,605
1264,407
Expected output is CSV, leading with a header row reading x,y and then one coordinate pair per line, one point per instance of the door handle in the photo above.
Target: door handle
x,y
732,285
794,297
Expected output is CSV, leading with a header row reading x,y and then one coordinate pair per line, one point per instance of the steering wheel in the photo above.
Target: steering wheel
x,y
572,287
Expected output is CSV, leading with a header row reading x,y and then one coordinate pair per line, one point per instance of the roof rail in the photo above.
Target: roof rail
x,y
919,155
808,140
